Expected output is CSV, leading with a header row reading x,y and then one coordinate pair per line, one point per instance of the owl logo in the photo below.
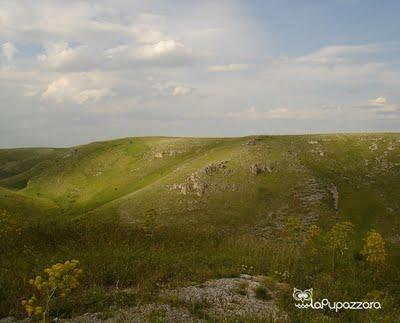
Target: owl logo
x,y
303,296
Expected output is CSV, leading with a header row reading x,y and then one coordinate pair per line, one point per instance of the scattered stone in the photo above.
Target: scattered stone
x,y
226,299
11,319
231,299
259,168
143,313
318,151
313,142
373,147
183,188
245,276
252,142
214,167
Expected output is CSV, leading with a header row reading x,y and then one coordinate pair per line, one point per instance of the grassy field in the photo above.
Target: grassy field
x,y
148,214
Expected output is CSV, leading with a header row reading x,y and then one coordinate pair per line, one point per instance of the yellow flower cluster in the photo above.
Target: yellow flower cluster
x,y
374,248
59,281
30,308
8,226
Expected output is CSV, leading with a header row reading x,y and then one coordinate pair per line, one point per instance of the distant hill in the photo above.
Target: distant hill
x,y
251,181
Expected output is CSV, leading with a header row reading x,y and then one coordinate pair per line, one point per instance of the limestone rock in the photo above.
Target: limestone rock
x,y
259,168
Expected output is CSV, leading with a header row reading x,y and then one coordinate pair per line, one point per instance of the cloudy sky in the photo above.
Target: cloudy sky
x,y
73,72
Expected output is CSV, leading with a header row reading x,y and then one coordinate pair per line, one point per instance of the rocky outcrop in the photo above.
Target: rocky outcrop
x,y
214,167
167,153
197,181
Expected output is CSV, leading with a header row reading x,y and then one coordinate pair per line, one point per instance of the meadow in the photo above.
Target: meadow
x,y
144,215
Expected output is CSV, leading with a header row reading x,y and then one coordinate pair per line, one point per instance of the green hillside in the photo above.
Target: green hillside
x,y
151,212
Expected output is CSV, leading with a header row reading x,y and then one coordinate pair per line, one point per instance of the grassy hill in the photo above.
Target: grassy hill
x,y
146,213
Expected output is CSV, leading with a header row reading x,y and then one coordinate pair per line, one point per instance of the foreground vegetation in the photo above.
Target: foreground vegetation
x,y
147,214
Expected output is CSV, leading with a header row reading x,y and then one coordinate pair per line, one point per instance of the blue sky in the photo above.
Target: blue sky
x,y
73,71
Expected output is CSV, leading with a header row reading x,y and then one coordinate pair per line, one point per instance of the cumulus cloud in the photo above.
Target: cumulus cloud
x,y
60,55
165,52
162,48
9,50
79,89
227,68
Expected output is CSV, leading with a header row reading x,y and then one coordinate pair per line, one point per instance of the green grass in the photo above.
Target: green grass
x,y
92,203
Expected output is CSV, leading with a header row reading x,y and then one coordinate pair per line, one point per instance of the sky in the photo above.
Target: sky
x,y
73,72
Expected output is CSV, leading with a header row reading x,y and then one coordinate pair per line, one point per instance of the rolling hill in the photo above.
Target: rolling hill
x,y
175,210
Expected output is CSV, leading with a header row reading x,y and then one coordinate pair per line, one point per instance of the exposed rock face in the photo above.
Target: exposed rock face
x,y
196,182
183,188
256,169
170,153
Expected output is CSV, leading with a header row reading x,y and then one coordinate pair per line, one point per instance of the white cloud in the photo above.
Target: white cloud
x,y
252,113
227,68
165,52
379,101
91,95
182,90
58,90
56,20
59,54
9,50
164,47
338,54
382,106
80,89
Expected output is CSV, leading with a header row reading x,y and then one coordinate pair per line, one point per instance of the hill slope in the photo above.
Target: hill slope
x,y
257,180
203,206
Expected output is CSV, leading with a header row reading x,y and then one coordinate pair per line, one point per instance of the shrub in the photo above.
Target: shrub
x,y
374,249
262,293
8,226
61,279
